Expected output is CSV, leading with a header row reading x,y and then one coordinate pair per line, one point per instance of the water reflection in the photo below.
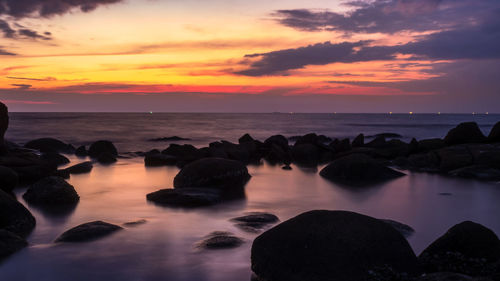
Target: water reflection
x,y
162,248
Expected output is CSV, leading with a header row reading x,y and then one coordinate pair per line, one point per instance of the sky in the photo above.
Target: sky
x,y
250,56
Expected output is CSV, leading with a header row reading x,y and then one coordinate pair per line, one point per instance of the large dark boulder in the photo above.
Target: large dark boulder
x,y
223,174
81,151
4,125
245,138
340,145
454,157
306,155
10,243
467,132
101,147
80,168
88,232
184,153
278,140
358,169
465,248
14,217
186,197
494,135
51,192
50,145
277,155
358,141
54,158
330,245
8,179
430,144
155,159
106,158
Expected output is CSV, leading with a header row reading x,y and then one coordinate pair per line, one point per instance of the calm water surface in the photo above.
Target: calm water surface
x,y
163,247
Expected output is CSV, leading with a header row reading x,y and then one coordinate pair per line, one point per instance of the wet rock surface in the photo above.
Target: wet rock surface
x,y
51,192
88,232
220,240
14,217
255,222
10,243
186,197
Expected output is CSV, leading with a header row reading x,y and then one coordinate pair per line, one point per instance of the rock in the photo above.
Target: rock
x,y
88,232
4,125
101,147
377,143
27,165
81,151
494,135
327,245
488,158
80,168
245,138
226,175
184,153
234,151
55,158
358,141
391,149
174,138
50,145
402,228
465,248
158,159
358,169
254,222
478,172
287,168
430,144
8,179
106,158
51,191
467,132
278,140
10,243
425,162
276,155
454,157
14,217
220,240
311,139
341,145
186,197
306,155
135,223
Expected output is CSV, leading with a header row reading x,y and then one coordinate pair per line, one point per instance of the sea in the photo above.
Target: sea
x,y
164,247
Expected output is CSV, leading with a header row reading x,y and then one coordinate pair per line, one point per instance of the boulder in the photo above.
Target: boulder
x,y
54,158
8,179
277,155
14,217
158,159
10,243
50,145
220,240
465,248
184,153
101,147
488,158
223,174
81,151
254,222
341,145
478,172
358,169
245,138
494,135
80,168
278,140
430,144
4,125
358,141
454,157
306,155
106,158
51,192
330,245
388,135
467,132
88,232
377,142
185,197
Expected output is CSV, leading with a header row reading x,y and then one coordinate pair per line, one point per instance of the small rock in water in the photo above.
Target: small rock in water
x,y
51,191
80,168
81,151
135,223
185,197
254,222
220,240
286,167
54,158
100,147
88,231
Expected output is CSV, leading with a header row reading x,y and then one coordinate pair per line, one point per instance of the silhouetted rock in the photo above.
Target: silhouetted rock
x,y
50,145
88,232
358,141
158,159
174,138
254,222
358,169
106,158
465,248
467,132
404,229
184,153
229,176
8,179
278,140
286,167
391,149
454,157
341,145
489,158
220,240
80,168
276,155
312,139
51,192
14,217
135,223
306,155
54,158
330,245
430,144
494,135
81,151
377,142
186,197
10,243
4,125
245,138
101,147
240,152
478,172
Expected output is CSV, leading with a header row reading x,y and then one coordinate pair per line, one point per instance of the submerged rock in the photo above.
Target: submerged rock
x,y
10,243
50,145
80,168
135,223
467,132
14,217
101,147
8,179
223,174
358,169
88,232
186,197
330,245
220,240
254,222
51,191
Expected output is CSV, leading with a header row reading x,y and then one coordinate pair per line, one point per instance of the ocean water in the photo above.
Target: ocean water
x,y
163,247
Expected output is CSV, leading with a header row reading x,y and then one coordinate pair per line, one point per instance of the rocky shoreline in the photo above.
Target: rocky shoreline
x,y
314,246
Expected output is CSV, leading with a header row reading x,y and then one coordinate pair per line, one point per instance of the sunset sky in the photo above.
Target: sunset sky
x,y
250,56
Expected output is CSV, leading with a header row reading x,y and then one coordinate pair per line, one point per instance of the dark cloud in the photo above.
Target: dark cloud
x,y
33,79
5,28
22,32
390,16
21,86
48,8
5,53
28,33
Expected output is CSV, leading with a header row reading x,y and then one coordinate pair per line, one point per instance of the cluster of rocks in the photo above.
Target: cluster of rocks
x,y
346,246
